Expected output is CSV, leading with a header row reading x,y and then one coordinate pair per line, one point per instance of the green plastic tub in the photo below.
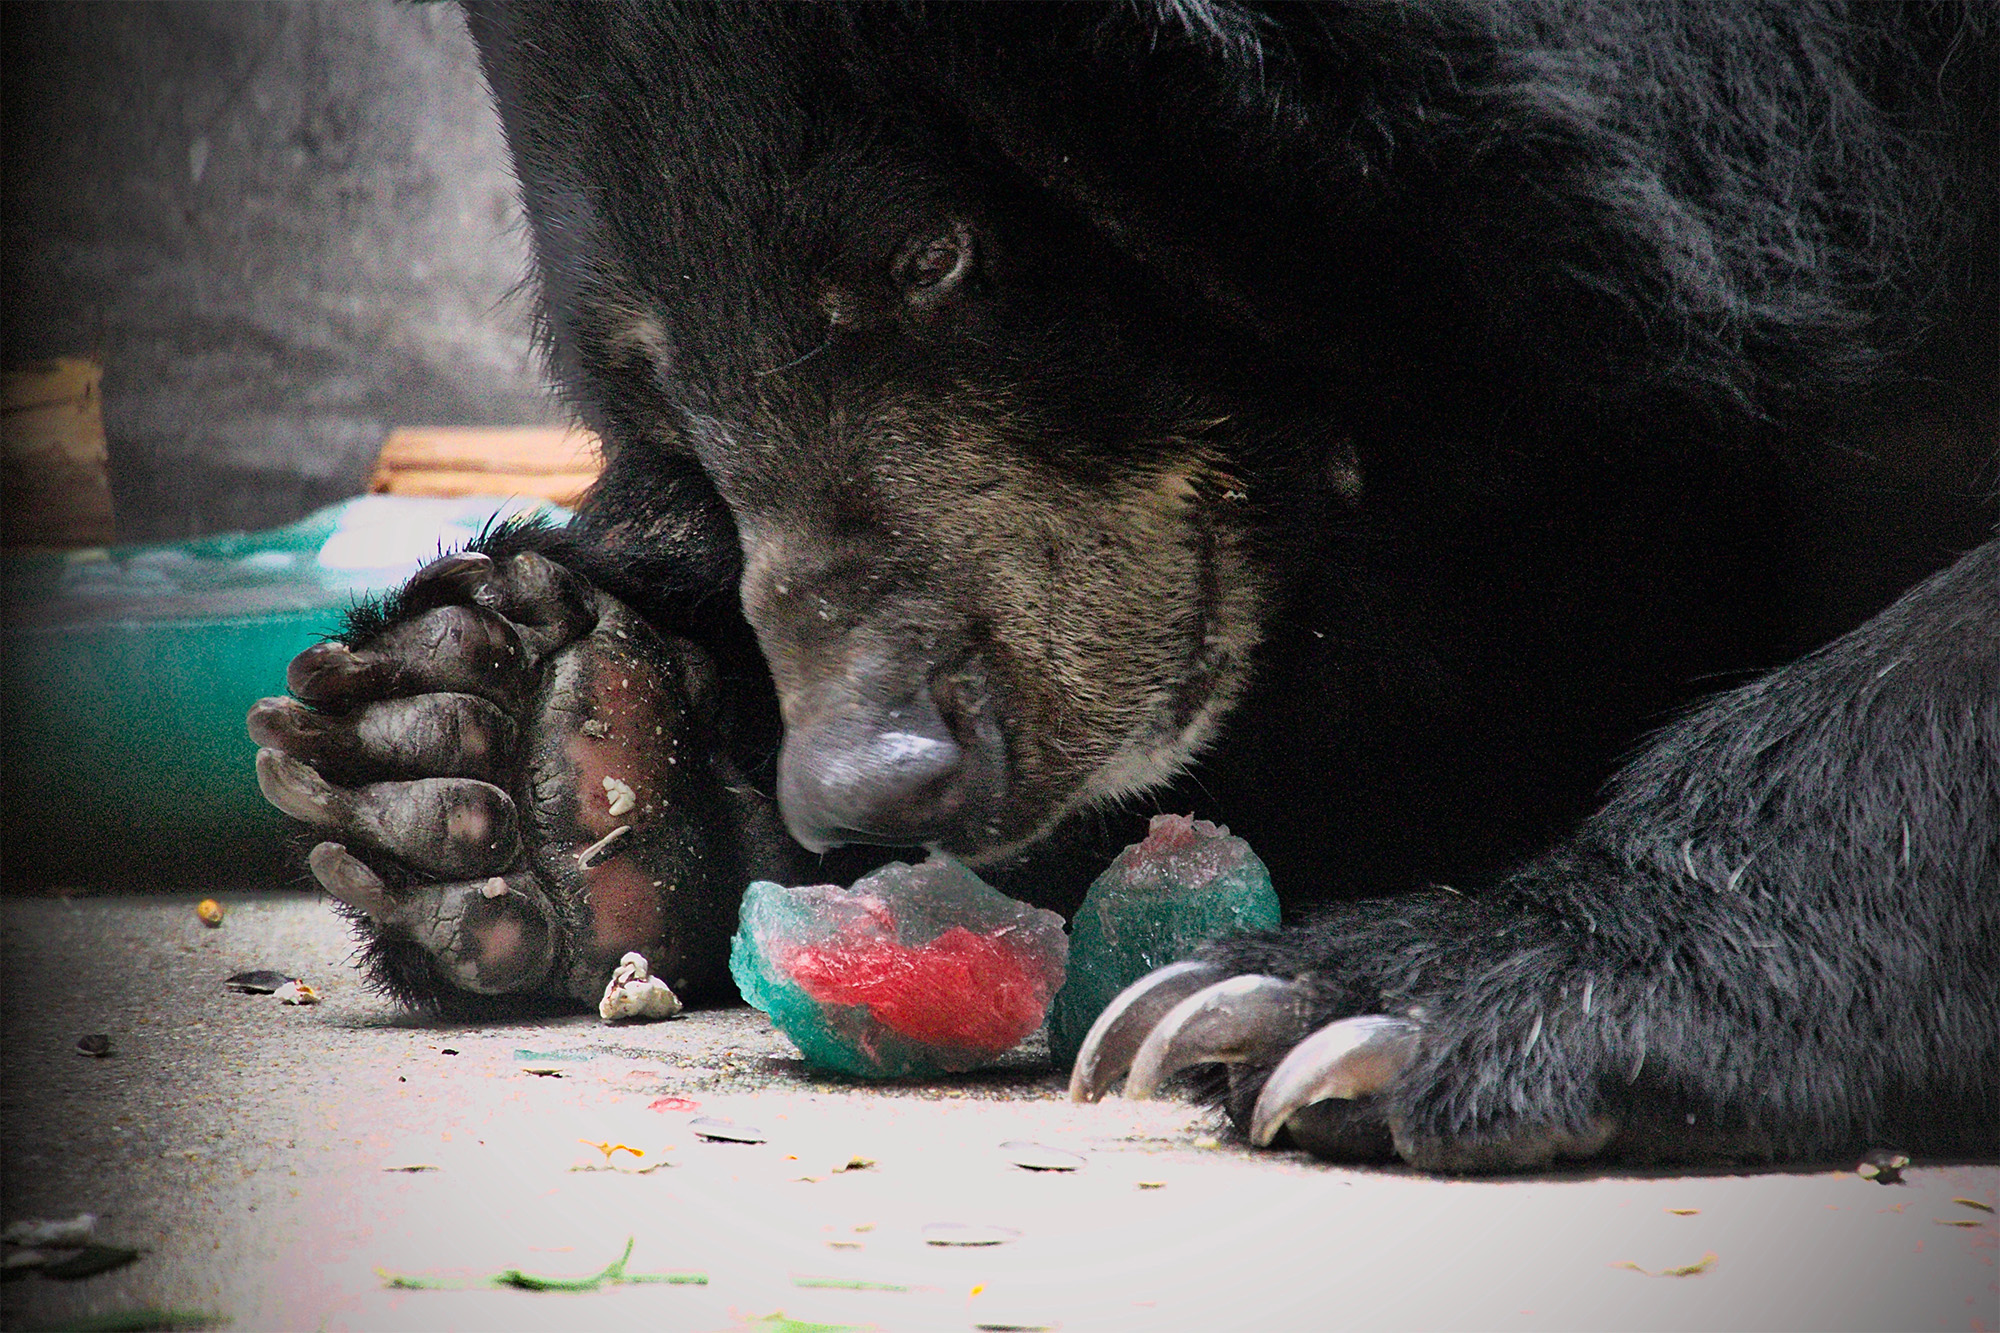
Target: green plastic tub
x,y
125,675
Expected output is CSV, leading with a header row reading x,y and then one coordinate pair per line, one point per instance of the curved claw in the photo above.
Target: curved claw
x,y
458,577
548,604
1354,1057
1121,1029
1237,1019
347,878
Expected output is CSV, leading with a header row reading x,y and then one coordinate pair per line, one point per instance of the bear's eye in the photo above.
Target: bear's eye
x,y
931,269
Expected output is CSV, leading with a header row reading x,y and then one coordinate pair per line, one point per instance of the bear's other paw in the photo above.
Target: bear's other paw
x,y
516,781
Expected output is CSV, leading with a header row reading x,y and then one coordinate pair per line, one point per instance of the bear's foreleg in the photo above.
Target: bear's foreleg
x,y
1780,938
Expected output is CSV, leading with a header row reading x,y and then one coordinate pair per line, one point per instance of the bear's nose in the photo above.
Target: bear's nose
x,y
894,772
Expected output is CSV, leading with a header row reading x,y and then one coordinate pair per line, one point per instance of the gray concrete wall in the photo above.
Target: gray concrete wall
x,y
284,227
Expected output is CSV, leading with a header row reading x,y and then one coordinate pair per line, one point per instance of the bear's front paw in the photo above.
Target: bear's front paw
x,y
519,781
1364,1087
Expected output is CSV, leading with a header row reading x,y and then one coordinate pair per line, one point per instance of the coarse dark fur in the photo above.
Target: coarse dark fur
x,y
1362,423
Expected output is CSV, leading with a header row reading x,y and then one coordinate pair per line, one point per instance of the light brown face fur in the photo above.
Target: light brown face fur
x,y
1099,616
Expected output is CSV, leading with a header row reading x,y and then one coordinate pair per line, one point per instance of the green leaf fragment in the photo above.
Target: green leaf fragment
x,y
778,1323
848,1284
405,1282
514,1277
1699,1266
613,1275
150,1319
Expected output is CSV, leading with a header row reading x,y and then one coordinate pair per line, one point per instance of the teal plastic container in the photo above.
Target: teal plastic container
x,y
126,673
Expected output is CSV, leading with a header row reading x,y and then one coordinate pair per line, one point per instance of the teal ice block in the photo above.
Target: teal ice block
x,y
1189,882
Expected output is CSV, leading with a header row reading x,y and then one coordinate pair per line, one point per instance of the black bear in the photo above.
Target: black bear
x,y
1361,422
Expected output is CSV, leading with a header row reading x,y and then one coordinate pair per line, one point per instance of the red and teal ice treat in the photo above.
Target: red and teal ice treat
x,y
915,970
1187,883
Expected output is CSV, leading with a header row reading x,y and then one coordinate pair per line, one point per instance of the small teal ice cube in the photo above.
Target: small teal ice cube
x,y
1188,882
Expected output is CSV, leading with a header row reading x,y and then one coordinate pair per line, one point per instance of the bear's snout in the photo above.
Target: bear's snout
x,y
868,762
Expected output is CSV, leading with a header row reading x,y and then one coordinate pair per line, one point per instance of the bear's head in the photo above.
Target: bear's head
x,y
990,509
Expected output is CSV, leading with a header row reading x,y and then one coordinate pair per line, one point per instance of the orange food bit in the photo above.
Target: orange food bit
x,y
607,1148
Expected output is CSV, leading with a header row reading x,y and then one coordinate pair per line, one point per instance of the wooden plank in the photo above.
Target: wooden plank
x,y
484,449
563,488
548,462
57,492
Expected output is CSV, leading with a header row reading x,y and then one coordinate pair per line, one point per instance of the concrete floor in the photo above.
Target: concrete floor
x,y
251,1149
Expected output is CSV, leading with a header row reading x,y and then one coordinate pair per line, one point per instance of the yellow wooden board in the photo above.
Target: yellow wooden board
x,y
548,462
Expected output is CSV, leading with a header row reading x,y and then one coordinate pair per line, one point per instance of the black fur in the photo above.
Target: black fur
x,y
1778,938
1544,358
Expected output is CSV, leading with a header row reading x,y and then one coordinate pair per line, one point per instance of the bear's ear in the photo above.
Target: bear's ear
x,y
931,269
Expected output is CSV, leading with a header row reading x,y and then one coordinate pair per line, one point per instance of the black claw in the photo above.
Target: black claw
x,y
462,577
549,603
1237,1019
1122,1028
326,673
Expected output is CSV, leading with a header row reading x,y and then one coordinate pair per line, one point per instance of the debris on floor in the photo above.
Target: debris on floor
x,y
63,1248
725,1131
612,1275
1884,1166
1040,1157
635,993
263,981
967,1233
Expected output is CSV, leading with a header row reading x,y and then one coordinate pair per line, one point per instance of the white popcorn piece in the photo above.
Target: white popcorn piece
x,y
619,795
634,992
